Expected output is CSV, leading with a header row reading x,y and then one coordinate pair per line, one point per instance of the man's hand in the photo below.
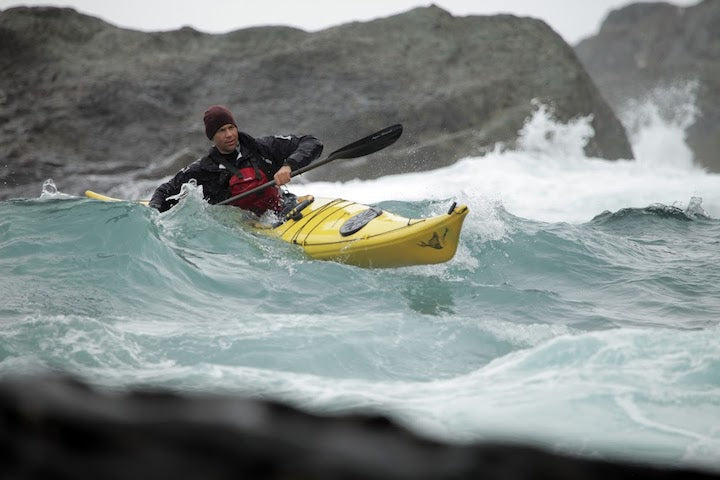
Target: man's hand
x,y
282,176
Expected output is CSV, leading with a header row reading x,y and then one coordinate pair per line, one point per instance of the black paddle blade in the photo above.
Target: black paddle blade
x,y
370,144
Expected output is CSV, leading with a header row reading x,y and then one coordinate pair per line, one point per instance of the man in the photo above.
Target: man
x,y
238,162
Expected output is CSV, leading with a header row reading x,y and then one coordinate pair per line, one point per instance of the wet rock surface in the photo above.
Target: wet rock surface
x,y
53,426
646,47
92,105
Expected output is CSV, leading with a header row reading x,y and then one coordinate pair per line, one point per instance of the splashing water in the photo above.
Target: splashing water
x,y
549,178
540,135
580,312
657,124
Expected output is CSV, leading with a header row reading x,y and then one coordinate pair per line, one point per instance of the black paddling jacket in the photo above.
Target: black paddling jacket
x,y
267,153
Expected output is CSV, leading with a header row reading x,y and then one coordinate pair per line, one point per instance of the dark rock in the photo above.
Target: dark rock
x,y
81,97
56,427
649,45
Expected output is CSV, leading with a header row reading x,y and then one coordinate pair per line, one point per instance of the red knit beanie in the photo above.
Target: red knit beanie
x,y
216,117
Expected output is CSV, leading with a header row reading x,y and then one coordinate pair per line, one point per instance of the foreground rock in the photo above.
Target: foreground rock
x,y
648,46
52,427
84,101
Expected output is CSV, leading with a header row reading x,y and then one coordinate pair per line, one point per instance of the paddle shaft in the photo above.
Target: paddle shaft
x,y
364,146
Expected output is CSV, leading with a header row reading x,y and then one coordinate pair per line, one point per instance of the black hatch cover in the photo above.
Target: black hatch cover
x,y
359,220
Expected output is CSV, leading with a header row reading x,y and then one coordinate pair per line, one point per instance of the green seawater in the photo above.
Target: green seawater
x,y
598,338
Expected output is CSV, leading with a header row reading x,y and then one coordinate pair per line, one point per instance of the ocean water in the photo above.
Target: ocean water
x,y
581,312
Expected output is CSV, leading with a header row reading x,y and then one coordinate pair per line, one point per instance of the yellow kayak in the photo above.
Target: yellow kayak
x,y
362,235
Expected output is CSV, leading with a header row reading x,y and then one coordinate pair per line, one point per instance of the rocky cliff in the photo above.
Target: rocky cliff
x,y
83,98
646,46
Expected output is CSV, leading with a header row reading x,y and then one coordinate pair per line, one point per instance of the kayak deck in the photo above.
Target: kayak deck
x,y
385,240
357,234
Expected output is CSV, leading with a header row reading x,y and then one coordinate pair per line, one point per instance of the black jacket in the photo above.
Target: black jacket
x,y
268,153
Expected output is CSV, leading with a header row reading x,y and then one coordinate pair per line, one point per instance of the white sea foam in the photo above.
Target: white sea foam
x,y
657,124
548,178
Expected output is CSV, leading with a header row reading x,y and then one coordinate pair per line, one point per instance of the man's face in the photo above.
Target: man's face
x,y
226,139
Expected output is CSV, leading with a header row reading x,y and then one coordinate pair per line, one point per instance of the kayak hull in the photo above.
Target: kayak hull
x,y
387,240
365,236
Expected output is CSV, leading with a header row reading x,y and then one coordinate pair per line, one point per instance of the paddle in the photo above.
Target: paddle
x,y
365,146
